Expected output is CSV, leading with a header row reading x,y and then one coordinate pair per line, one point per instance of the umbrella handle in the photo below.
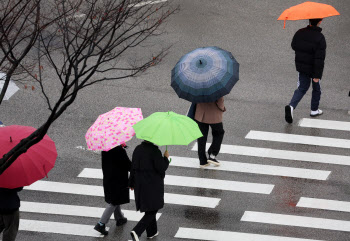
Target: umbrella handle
x,y
166,149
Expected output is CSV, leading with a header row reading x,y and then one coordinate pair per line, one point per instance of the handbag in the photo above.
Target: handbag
x,y
192,111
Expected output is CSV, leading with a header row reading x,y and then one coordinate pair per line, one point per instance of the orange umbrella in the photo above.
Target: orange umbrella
x,y
308,10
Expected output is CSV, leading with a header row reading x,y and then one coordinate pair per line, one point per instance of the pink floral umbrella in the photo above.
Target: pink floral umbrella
x,y
113,128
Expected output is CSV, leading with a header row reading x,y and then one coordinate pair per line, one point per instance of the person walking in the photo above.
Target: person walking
x,y
9,213
115,167
210,114
310,46
147,180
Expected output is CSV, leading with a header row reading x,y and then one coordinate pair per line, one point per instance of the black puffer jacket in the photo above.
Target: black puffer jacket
x,y
9,200
310,46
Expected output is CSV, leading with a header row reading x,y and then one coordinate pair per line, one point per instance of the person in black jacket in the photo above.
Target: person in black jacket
x,y
310,46
9,213
115,167
147,180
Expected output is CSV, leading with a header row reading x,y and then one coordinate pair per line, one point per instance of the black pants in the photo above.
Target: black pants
x,y
218,135
148,222
9,224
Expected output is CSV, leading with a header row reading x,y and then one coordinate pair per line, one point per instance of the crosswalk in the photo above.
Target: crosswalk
x,y
74,210
282,154
198,182
188,182
325,124
298,221
334,205
298,139
256,169
218,235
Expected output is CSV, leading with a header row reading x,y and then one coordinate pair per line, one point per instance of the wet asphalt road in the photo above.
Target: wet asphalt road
x,y
267,80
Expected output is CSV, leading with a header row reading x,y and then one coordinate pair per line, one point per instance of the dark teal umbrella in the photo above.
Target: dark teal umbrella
x,y
205,75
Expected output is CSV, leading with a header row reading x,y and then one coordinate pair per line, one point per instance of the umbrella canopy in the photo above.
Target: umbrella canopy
x,y
167,128
31,166
205,75
112,128
308,10
11,89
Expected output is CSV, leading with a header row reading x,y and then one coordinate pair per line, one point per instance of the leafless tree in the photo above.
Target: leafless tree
x,y
21,22
88,47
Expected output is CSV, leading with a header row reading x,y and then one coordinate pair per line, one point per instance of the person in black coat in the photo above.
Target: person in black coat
x,y
147,180
115,167
310,46
9,213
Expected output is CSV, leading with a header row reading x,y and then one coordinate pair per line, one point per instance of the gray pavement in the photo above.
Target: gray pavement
x,y
267,80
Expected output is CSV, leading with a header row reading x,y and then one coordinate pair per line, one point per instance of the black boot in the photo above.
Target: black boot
x,y
121,221
101,229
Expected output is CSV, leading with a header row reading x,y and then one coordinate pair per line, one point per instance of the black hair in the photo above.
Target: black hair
x,y
314,22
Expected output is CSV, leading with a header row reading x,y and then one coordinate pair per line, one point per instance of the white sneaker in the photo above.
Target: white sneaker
x,y
153,236
204,165
134,236
316,113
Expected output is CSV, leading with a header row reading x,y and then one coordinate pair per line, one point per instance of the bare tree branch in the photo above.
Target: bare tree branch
x,y
91,46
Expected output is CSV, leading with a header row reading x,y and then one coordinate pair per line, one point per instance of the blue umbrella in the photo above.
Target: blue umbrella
x,y
205,75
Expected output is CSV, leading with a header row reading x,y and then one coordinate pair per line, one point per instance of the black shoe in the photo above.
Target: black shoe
x,y
101,229
121,221
288,114
134,236
212,160
153,236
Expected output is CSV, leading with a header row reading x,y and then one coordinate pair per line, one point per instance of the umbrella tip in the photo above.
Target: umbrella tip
x,y
200,61
10,139
45,171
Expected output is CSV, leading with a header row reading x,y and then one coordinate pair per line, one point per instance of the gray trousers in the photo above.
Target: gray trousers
x,y
108,213
9,224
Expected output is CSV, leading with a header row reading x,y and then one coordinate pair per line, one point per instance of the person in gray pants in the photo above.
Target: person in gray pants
x,y
115,167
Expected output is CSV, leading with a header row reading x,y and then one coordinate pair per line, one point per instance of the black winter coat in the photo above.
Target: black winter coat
x,y
147,177
310,46
9,200
115,167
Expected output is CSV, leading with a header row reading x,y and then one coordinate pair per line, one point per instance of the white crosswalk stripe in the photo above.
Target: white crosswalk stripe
x,y
325,124
198,182
281,154
324,204
216,184
74,210
297,221
58,228
90,190
298,139
216,235
255,168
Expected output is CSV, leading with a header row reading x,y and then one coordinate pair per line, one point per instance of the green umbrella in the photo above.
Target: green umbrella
x,y
167,128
